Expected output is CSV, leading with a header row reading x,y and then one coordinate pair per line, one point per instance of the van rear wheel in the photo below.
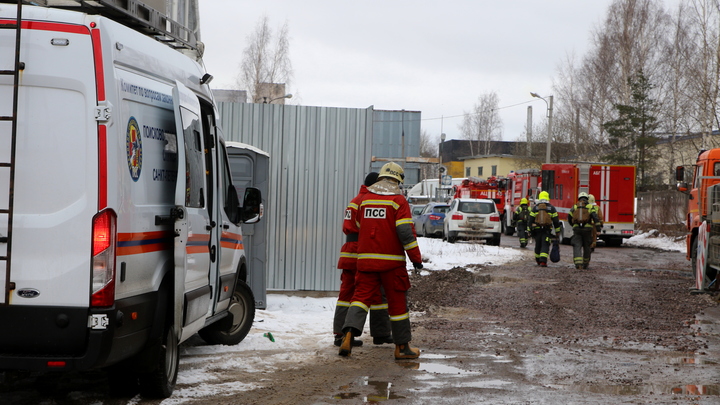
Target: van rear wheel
x,y
160,382
232,329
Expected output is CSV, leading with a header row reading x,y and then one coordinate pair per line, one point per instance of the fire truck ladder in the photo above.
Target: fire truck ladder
x,y
7,165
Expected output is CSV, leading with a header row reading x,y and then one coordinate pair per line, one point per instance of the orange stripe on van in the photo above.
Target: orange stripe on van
x,y
144,242
198,243
231,240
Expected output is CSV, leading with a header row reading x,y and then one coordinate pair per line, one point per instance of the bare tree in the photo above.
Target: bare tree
x,y
428,148
483,123
264,63
704,71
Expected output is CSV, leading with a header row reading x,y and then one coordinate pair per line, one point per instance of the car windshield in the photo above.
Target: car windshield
x,y
474,207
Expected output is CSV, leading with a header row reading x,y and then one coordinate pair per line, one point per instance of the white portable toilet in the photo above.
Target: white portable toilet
x,y
250,167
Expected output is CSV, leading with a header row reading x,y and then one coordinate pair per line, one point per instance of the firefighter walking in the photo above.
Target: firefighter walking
x,y
596,229
386,234
583,217
543,221
379,319
521,216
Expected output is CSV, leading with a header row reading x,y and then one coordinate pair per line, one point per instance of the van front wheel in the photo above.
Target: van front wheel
x,y
232,329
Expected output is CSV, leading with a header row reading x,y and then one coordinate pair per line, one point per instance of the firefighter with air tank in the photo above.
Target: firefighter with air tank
x,y
543,221
584,219
520,220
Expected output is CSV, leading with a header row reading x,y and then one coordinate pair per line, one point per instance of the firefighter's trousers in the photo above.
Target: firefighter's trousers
x,y
542,244
379,319
521,227
395,282
582,244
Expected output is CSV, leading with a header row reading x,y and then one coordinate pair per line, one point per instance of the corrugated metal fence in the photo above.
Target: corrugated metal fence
x,y
662,210
318,159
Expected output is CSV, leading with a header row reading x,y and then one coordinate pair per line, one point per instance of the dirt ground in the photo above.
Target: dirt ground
x,y
625,331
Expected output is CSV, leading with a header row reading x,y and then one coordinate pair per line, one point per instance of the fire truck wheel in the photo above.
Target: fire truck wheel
x,y
232,329
160,383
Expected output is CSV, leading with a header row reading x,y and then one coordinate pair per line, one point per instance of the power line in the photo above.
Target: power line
x,y
457,116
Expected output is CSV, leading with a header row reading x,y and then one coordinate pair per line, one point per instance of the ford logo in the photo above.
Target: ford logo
x,y
28,293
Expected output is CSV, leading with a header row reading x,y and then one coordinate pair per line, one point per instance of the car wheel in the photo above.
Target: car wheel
x,y
495,240
452,237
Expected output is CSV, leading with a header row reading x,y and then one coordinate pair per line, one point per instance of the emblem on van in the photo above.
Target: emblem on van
x,y
28,293
133,147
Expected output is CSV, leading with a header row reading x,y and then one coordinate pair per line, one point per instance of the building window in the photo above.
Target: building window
x,y
494,170
467,172
480,171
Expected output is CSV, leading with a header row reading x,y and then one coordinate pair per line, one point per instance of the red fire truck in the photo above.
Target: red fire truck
x,y
518,185
702,184
613,187
492,188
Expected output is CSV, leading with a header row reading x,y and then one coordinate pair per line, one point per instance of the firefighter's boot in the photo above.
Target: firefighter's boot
x,y
339,338
404,351
382,339
346,345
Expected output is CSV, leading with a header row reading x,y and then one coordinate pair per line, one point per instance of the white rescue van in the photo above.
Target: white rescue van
x,y
120,228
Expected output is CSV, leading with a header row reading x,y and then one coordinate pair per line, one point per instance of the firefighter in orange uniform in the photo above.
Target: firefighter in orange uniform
x,y
379,320
386,235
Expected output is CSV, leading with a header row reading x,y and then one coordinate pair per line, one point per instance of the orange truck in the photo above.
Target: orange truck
x,y
701,182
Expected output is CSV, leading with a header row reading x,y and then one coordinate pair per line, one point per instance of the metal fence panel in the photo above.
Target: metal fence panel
x,y
318,159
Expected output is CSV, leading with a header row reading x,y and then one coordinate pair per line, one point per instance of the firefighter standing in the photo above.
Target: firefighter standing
x,y
584,218
386,234
379,319
543,220
521,216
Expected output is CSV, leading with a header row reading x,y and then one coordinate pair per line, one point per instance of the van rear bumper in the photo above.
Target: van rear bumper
x,y
60,338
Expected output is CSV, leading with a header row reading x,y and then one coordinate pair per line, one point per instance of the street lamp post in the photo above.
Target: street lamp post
x,y
549,126
440,169
266,101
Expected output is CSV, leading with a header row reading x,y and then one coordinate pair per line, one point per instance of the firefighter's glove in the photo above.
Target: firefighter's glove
x,y
598,227
418,266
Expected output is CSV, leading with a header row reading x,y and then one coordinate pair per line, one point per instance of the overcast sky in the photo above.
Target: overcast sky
x,y
437,57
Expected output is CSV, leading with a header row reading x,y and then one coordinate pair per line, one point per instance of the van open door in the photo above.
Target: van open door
x,y
193,227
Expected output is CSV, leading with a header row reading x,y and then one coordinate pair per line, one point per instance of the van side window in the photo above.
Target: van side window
x,y
194,160
225,181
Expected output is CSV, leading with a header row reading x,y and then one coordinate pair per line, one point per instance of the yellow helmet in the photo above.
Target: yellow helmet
x,y
544,196
591,199
583,195
392,170
523,201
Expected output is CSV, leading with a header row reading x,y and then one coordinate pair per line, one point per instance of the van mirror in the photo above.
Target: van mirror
x,y
252,208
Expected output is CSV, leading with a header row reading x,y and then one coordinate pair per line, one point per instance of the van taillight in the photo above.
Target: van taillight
x,y
103,260
457,217
494,218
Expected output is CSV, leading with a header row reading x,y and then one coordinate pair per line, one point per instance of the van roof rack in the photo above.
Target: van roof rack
x,y
135,14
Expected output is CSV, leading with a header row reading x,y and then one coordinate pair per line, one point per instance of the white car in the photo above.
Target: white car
x,y
472,218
